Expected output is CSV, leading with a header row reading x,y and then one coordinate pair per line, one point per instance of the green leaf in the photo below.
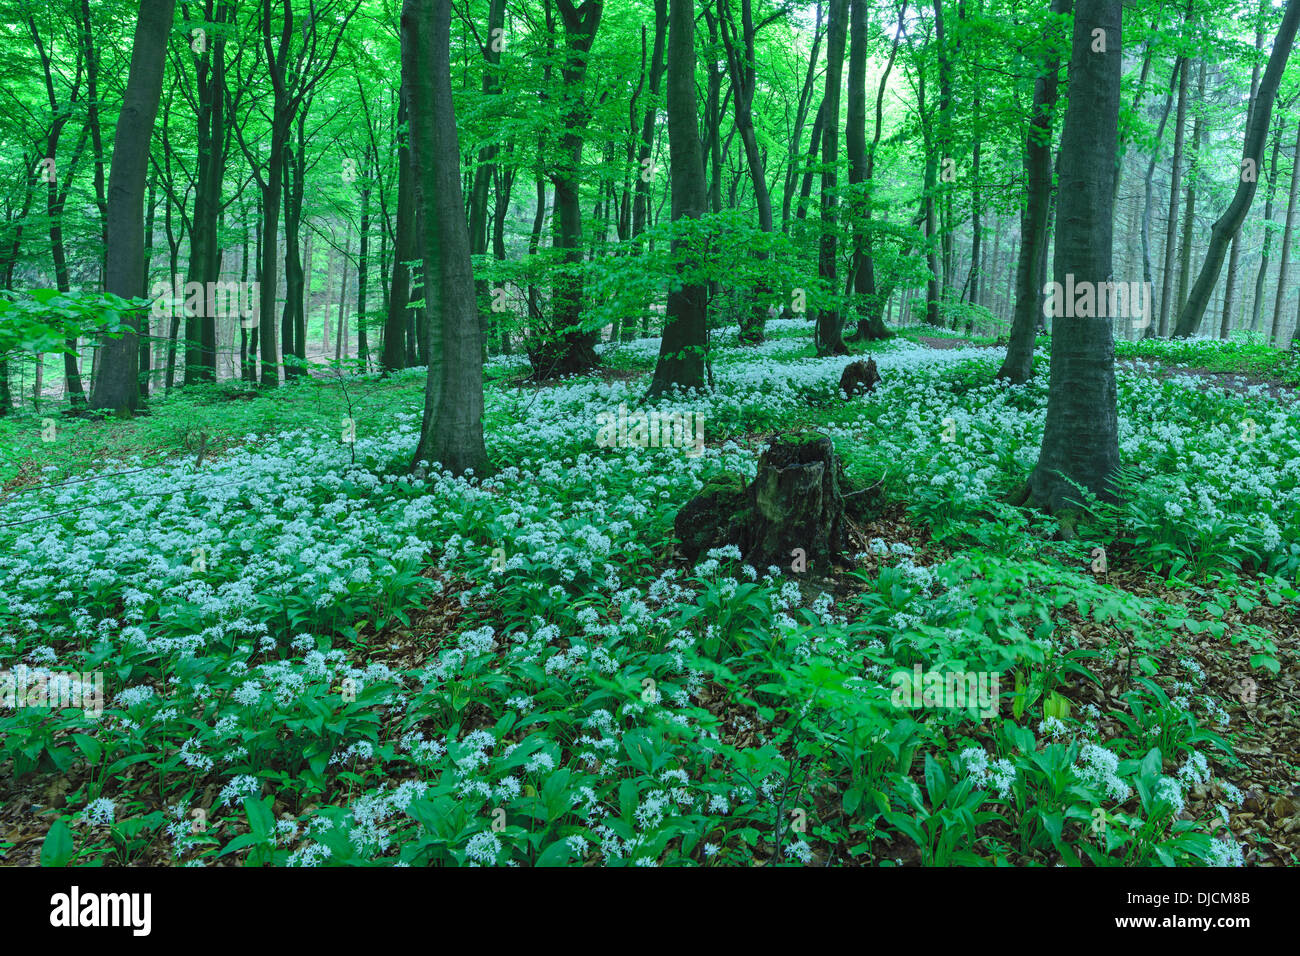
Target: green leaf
x,y
57,848
936,781
557,854
260,818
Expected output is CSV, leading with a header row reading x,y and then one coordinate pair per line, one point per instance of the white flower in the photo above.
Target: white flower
x,y
483,848
1225,851
99,812
1098,767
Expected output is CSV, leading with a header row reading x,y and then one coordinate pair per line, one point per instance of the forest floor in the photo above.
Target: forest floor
x,y
311,657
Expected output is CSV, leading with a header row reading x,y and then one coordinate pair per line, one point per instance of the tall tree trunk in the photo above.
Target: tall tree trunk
x,y
363,263
1189,216
744,83
1081,435
294,349
1018,366
478,203
1234,257
830,322
685,340
871,325
1284,261
56,196
341,333
243,279
943,146
574,351
146,337
927,218
404,250
645,150
1227,225
810,164
801,115
1175,185
1257,305
1148,194
204,264
451,433
117,387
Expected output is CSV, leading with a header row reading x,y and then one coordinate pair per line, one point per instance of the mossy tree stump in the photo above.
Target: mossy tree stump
x,y
791,515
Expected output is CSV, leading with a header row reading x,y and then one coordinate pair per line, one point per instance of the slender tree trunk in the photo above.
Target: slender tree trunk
x,y
363,264
1149,190
1258,304
1252,152
861,167
685,340
830,322
801,116
295,166
1018,366
645,150
744,83
1189,217
146,337
483,172
1175,184
573,349
1234,257
1284,261
342,333
943,148
814,147
404,241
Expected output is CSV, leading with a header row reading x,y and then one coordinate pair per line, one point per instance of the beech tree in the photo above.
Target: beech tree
x,y
685,339
116,386
451,433
1252,154
1081,436
1018,366
830,320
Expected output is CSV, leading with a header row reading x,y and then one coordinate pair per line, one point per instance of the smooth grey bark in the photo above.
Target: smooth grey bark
x,y
1226,226
1284,260
117,386
744,83
1018,366
871,324
1234,257
487,154
394,355
1257,305
830,321
1081,436
1149,188
800,117
1175,184
451,433
574,348
685,340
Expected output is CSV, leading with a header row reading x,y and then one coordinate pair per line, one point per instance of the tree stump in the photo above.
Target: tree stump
x,y
791,515
859,377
